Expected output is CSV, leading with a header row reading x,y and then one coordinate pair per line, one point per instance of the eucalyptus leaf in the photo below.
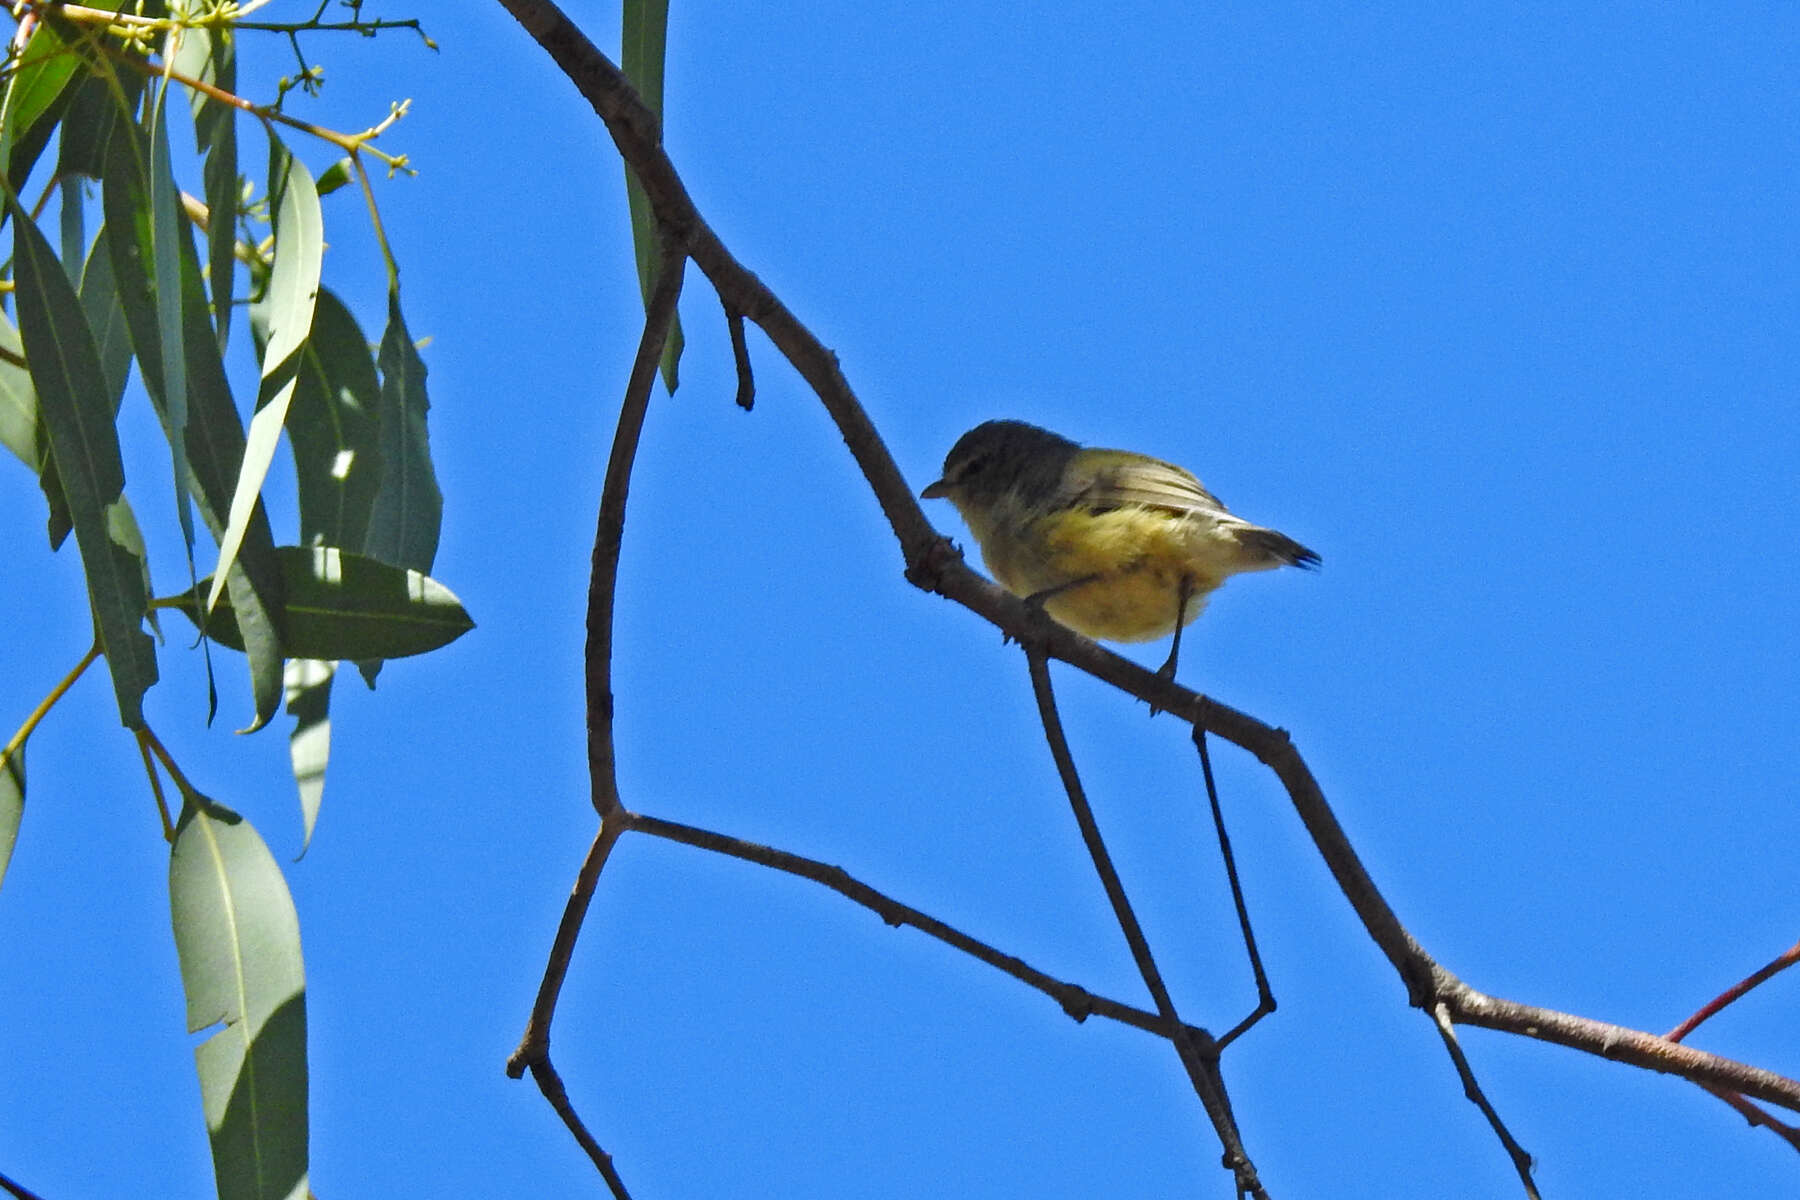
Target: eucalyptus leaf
x,y
209,54
645,35
238,941
213,436
334,428
95,113
308,682
37,92
292,292
343,605
74,410
12,803
409,508
18,400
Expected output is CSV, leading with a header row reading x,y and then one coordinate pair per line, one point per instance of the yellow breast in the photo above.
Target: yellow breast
x,y
1134,560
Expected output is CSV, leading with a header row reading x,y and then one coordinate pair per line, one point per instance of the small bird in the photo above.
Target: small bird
x,y
1115,545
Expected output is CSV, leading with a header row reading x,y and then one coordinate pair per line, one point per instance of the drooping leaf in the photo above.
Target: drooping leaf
x,y
20,433
165,276
72,227
213,440
403,529
642,51
36,95
292,292
12,803
343,605
209,54
216,439
18,402
238,940
100,301
73,410
122,528
334,429
309,746
409,509
95,111
101,304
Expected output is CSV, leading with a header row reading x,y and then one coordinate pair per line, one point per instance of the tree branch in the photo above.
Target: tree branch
x,y
1199,1058
533,1052
1076,1001
934,564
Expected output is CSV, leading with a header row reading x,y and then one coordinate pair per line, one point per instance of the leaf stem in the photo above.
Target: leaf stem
x,y
43,709
162,804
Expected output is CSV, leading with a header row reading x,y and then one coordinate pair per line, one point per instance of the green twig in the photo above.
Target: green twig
x,y
44,706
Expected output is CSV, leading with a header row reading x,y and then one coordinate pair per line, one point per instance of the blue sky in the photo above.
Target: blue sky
x,y
1495,309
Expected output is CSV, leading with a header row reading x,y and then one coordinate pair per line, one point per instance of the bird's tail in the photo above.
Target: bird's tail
x,y
1276,549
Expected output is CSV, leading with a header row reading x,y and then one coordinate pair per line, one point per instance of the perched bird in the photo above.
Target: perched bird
x,y
1114,545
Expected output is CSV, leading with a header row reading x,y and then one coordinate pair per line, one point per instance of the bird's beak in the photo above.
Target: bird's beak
x,y
937,491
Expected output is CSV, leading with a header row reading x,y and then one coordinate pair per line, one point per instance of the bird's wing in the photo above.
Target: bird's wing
x,y
1104,479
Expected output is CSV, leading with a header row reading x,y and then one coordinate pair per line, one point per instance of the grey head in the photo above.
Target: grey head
x,y
997,457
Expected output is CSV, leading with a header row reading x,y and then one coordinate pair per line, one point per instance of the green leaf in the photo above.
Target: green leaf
x,y
165,273
73,410
95,112
12,803
343,605
334,429
409,509
73,226
309,746
36,95
19,430
100,301
122,528
209,54
18,402
642,50
238,940
213,437
107,320
292,292
216,447
336,176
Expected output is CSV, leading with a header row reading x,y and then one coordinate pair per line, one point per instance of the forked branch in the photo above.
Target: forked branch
x,y
933,564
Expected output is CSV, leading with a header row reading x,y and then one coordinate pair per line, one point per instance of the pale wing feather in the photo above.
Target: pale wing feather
x,y
1105,479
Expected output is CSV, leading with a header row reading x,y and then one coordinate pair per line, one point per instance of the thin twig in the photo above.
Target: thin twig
x,y
551,1084
1752,1113
156,789
1759,1118
1776,966
609,529
1076,1001
740,354
1199,1057
44,706
18,1191
534,1047
1521,1161
351,143
1265,996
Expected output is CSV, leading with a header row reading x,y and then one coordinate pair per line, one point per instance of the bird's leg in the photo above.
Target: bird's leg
x,y
1184,591
1037,599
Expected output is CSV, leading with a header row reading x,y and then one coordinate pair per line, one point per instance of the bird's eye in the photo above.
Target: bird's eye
x,y
974,467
